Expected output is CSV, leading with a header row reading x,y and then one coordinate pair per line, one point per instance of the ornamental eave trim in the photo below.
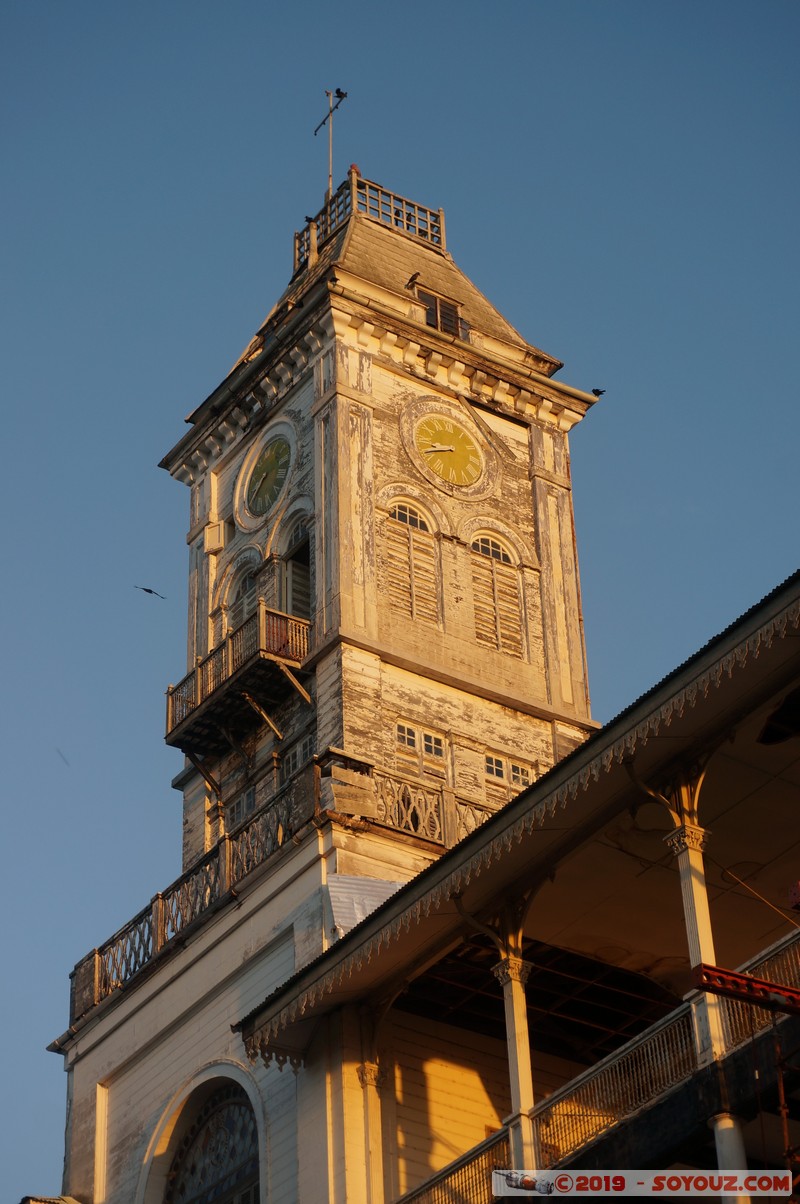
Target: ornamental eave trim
x,y
261,1041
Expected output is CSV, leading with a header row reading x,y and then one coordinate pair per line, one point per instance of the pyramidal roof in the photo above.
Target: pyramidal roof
x,y
397,245
384,257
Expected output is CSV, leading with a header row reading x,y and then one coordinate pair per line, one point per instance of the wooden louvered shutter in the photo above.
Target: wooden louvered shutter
x,y
398,570
423,575
411,572
298,589
495,588
483,595
506,592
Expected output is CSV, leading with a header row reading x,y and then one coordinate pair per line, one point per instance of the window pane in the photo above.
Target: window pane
x,y
448,317
429,301
432,745
486,546
520,775
406,736
494,767
403,513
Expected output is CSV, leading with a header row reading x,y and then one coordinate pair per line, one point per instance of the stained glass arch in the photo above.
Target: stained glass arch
x,y
217,1159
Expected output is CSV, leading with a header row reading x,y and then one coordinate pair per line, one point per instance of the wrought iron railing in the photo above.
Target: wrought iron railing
x,y
625,1082
403,803
362,196
781,964
620,1085
468,1180
265,630
658,1060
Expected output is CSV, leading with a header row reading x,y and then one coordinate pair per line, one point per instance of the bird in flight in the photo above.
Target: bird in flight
x,y
146,590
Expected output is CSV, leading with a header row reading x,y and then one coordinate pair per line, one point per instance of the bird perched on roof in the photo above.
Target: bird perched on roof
x,y
146,590
412,280
598,392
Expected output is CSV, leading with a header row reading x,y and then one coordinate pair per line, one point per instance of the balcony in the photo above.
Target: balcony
x,y
211,884
619,1087
157,930
252,660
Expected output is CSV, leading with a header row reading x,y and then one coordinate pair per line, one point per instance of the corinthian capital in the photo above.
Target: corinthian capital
x,y
686,837
370,1075
512,969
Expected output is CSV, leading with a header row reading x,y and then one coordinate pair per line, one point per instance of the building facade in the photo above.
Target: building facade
x,y
397,810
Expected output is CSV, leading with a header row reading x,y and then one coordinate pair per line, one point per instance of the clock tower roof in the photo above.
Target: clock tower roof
x,y
398,246
384,257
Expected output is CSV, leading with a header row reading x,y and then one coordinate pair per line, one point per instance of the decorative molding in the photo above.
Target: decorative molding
x,y
371,1075
250,403
512,969
687,837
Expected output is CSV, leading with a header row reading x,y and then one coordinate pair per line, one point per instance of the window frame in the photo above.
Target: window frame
x,y
498,596
296,756
446,313
424,738
515,774
240,808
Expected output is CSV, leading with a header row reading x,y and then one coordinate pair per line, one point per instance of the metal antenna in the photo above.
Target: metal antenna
x,y
328,118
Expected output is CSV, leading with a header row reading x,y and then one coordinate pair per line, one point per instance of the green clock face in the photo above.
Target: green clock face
x,y
268,476
448,449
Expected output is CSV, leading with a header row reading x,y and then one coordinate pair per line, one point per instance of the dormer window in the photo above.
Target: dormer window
x,y
441,314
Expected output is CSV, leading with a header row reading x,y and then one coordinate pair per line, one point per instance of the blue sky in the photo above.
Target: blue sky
x,y
620,178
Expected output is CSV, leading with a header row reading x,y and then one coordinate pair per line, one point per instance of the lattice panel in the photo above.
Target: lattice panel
x,y
244,642
470,816
410,808
182,700
126,953
260,839
212,672
191,896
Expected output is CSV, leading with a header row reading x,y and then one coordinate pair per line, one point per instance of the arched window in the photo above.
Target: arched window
x,y
296,573
411,564
495,589
217,1160
245,599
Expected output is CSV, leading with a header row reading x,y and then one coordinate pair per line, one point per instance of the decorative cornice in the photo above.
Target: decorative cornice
x,y
248,395
492,847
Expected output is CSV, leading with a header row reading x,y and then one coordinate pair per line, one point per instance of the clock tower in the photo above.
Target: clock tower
x,y
385,636
385,646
